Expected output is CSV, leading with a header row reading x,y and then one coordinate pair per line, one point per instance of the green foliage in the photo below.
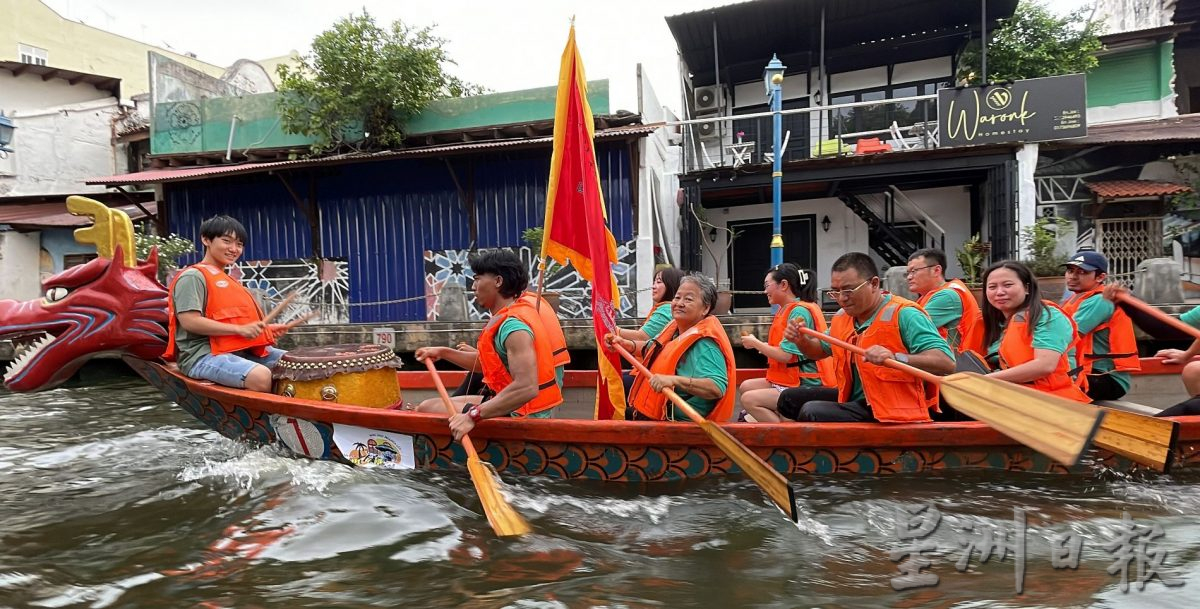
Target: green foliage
x,y
972,256
1042,242
1035,42
533,237
362,78
170,248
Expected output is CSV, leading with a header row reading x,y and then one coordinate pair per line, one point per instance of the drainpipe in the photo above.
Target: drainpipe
x,y
229,147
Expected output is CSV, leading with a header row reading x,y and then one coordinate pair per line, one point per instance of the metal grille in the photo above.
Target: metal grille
x,y
1000,198
1126,242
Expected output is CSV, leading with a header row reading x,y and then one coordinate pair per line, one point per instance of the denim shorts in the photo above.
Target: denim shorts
x,y
231,369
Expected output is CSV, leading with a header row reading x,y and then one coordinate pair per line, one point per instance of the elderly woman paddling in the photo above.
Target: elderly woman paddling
x,y
692,355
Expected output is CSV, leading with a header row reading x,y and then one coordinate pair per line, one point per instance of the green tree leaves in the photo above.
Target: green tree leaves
x,y
362,82
1032,43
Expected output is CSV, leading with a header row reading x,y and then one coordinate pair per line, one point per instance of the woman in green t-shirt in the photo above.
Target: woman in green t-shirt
x,y
788,287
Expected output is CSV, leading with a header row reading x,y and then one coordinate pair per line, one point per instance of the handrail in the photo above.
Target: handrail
x,y
738,117
899,195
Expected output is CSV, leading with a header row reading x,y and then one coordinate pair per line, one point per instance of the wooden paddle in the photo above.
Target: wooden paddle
x,y
504,519
770,481
1143,439
1056,427
1126,298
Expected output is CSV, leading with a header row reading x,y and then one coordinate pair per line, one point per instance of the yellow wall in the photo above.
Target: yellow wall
x,y
82,48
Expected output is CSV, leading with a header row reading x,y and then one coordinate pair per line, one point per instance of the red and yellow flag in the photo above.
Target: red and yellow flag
x,y
576,226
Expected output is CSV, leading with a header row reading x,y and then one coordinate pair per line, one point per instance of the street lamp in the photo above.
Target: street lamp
x,y
6,133
773,81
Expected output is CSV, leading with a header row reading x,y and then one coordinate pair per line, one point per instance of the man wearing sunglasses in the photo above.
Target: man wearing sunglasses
x,y
887,327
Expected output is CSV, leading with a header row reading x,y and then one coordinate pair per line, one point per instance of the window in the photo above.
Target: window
x,y
879,117
70,260
32,54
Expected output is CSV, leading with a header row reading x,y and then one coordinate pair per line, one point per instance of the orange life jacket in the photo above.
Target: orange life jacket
x,y
554,331
1016,348
497,377
663,358
788,373
894,396
970,325
228,302
1122,344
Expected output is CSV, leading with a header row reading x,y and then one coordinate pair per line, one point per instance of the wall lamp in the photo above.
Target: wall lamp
x,y
825,223
6,133
712,235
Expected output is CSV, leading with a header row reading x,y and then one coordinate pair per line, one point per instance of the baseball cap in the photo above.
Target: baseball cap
x,y
1088,260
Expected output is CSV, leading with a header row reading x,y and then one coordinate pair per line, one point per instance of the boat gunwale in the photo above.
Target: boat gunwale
x,y
971,434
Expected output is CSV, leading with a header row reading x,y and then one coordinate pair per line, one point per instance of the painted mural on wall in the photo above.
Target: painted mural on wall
x,y
452,268
323,286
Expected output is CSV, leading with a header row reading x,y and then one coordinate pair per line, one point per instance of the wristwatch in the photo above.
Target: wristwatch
x,y
475,413
901,357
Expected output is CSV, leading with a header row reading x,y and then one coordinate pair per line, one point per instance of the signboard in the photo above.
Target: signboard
x,y
1034,110
384,336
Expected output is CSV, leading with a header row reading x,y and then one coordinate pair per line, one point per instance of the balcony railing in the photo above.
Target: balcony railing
x,y
746,139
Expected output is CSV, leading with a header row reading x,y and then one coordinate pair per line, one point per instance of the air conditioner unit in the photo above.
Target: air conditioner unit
x,y
707,130
708,99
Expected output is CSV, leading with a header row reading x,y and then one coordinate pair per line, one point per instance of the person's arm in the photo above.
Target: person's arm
x,y
522,366
196,323
1091,313
1043,364
465,359
697,386
750,341
633,334
812,348
928,351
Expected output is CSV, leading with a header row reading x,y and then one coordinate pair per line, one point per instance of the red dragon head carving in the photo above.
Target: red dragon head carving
x,y
112,304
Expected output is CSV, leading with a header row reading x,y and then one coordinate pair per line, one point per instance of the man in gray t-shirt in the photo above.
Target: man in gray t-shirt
x,y
237,318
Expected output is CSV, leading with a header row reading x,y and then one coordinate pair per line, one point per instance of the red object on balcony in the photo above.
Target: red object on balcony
x,y
871,145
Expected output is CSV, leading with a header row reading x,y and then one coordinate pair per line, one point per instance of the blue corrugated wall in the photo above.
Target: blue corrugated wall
x,y
382,216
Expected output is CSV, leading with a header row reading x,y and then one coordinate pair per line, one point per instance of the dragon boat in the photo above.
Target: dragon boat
x,y
114,304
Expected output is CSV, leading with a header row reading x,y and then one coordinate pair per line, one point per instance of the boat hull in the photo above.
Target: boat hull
x,y
621,451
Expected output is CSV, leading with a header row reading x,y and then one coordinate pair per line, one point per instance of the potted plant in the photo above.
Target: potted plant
x,y
1041,241
533,238
972,256
724,295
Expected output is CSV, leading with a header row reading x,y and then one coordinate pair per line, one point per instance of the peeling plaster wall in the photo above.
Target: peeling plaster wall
x,y
19,257
58,148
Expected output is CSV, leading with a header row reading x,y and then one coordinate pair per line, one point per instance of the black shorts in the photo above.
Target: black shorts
x,y
792,400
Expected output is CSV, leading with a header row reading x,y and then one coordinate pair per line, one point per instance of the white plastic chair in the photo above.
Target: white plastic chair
x,y
898,141
769,157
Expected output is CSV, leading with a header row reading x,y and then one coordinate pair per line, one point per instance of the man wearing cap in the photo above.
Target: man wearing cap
x,y
1106,350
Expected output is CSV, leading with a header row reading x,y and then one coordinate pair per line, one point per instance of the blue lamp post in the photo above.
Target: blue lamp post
x,y
773,81
6,132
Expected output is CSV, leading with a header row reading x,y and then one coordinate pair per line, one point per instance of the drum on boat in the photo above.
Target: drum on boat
x,y
362,375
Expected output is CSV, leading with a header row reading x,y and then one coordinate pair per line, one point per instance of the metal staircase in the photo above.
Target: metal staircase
x,y
892,237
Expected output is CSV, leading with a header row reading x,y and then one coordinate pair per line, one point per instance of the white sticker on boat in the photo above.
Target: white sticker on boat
x,y
299,435
373,448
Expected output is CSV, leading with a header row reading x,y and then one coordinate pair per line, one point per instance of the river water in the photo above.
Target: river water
x,y
110,496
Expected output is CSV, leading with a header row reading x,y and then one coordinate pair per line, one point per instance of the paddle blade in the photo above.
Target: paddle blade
x,y
1056,427
770,481
500,513
1145,440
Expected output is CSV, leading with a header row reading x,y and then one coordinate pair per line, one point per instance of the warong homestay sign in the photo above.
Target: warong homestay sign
x,y
1034,110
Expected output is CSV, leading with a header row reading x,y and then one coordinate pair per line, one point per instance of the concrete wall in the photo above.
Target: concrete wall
x,y
19,254
658,182
1132,15
30,92
57,148
83,48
